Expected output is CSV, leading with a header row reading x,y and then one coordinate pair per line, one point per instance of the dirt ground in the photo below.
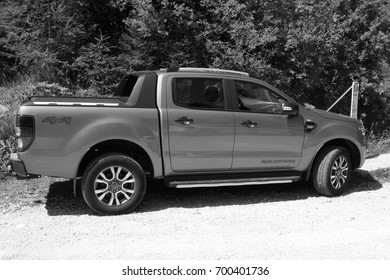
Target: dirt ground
x,y
40,219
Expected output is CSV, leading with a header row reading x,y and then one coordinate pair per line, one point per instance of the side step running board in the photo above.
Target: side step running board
x,y
233,182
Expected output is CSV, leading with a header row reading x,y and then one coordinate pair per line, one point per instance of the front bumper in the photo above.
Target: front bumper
x,y
17,166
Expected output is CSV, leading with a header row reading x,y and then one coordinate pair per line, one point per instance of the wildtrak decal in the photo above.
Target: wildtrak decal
x,y
277,161
55,120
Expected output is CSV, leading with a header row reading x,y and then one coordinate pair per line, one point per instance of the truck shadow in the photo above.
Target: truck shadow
x,y
61,201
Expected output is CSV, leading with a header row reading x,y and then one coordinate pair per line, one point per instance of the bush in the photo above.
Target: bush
x,y
7,139
378,144
52,89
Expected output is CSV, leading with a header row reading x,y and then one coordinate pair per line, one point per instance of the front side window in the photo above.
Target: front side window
x,y
198,93
258,98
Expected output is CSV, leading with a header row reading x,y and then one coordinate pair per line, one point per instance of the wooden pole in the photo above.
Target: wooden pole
x,y
354,99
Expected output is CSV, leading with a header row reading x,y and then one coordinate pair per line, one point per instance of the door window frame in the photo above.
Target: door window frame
x,y
225,87
234,96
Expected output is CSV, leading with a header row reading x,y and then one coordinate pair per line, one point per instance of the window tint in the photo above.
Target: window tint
x,y
126,86
198,93
257,98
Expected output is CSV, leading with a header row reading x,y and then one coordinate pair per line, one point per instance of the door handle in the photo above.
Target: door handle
x,y
184,120
250,124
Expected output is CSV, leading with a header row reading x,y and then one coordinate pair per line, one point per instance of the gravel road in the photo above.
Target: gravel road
x,y
272,222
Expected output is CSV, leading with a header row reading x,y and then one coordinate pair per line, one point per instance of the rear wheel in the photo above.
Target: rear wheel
x,y
113,184
332,171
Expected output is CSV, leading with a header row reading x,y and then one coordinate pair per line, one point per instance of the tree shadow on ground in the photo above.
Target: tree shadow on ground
x,y
61,201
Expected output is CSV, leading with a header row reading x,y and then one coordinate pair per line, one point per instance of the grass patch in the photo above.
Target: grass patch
x,y
381,175
378,144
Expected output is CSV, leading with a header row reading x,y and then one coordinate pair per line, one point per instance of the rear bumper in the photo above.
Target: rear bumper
x,y
17,166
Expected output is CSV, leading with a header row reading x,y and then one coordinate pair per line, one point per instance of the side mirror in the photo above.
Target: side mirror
x,y
290,108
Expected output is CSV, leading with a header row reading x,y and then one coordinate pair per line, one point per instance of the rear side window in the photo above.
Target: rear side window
x,y
198,93
125,87
138,89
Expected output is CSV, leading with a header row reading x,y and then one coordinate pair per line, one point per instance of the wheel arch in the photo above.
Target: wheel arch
x,y
126,147
352,149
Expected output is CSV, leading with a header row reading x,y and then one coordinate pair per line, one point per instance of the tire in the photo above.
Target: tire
x,y
332,171
113,184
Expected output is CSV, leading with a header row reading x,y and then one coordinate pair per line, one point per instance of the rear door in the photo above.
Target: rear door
x,y
265,138
200,128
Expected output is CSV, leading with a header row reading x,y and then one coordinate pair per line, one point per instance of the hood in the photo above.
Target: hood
x,y
334,116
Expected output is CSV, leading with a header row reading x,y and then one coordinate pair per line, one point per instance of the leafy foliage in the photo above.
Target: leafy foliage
x,y
310,49
7,138
161,33
97,68
40,37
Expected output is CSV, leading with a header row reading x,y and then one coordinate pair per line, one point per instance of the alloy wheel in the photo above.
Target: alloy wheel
x,y
114,186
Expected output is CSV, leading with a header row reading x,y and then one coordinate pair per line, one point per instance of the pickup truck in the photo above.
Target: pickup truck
x,y
191,127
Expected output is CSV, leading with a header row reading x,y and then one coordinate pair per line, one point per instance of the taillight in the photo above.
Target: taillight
x,y
24,131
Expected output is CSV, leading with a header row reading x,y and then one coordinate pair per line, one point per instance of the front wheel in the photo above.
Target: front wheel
x,y
332,171
113,184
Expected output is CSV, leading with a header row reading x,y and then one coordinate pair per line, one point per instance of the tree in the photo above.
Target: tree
x,y
40,36
43,38
310,49
161,33
102,17
96,67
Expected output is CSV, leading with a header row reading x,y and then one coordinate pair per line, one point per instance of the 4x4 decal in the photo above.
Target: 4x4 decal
x,y
60,120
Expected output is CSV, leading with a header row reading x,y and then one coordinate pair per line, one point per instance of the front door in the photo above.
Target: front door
x,y
265,138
